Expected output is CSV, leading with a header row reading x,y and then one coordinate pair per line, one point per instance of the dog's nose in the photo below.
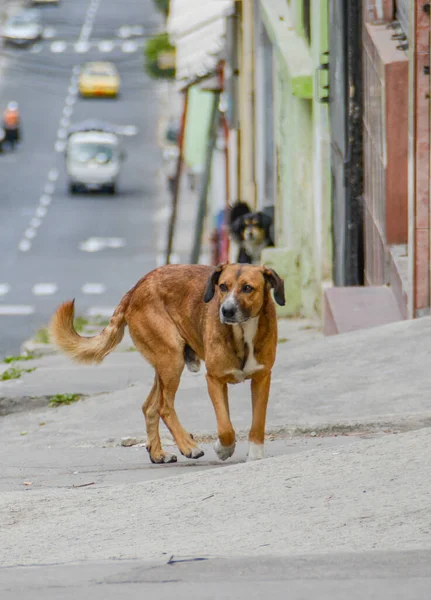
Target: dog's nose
x,y
228,311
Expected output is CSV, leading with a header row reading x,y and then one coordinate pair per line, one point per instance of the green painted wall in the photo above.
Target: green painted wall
x,y
197,125
302,126
294,141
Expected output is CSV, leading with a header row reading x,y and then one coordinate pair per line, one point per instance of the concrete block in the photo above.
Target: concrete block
x,y
351,308
284,262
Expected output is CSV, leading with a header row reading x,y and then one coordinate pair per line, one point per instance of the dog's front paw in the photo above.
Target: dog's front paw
x,y
224,452
161,458
195,452
255,451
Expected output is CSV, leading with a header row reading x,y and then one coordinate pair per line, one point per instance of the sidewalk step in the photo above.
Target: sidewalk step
x,y
352,308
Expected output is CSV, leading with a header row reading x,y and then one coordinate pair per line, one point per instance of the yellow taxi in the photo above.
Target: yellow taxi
x,y
99,79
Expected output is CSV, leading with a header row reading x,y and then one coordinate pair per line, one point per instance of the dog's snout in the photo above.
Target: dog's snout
x,y
228,311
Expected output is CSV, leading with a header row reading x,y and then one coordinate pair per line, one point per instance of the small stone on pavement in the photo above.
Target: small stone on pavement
x,y
128,441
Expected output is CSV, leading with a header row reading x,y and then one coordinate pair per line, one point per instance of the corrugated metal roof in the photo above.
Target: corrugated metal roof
x,y
197,28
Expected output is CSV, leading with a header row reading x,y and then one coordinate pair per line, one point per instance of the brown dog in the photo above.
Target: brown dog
x,y
180,315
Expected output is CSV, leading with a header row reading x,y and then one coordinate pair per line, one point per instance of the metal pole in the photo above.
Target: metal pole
x,y
176,191
202,207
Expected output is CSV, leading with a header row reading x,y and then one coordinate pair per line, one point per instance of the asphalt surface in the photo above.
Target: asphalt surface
x,y
41,226
382,575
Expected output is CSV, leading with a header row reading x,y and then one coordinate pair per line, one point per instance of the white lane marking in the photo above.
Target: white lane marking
x,y
62,134
95,244
41,211
67,111
64,122
87,27
16,309
48,33
76,70
73,89
44,289
93,288
53,175
4,289
60,146
106,46
82,47
30,233
24,245
35,222
49,188
100,311
129,47
36,48
70,101
58,47
124,32
45,200
129,130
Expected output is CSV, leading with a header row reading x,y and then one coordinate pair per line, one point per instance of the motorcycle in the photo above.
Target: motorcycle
x,y
12,135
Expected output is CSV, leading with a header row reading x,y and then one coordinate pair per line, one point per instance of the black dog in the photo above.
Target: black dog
x,y
251,230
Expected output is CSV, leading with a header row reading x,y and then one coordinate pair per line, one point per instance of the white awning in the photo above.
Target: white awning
x,y
197,28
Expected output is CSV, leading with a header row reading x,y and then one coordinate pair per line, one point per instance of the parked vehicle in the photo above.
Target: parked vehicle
x,y
93,157
99,79
22,28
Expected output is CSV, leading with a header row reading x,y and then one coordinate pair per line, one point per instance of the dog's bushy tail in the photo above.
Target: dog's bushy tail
x,y
87,349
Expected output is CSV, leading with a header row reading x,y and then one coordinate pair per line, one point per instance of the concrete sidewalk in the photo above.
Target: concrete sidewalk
x,y
369,379
348,465
372,495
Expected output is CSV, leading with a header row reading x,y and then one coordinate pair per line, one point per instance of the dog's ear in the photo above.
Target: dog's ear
x,y
266,220
212,282
238,209
277,283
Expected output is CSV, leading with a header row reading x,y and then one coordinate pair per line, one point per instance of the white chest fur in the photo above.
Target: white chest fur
x,y
245,333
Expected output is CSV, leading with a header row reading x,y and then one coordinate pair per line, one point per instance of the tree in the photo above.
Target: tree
x,y
157,49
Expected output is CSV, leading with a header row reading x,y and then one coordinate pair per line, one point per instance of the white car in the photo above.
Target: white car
x,y
22,28
93,157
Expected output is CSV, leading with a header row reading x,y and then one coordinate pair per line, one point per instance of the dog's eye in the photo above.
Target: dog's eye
x,y
223,287
247,289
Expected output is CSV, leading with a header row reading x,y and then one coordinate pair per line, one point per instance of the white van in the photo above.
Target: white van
x,y
93,158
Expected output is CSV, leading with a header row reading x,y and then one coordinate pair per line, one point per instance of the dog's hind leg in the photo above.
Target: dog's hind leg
x,y
150,408
169,368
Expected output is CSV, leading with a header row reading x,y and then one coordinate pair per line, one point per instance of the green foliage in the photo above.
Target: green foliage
x,y
11,359
79,323
159,44
14,373
42,336
61,399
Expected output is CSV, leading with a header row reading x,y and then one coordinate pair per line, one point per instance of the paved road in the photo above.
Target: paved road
x,y
41,227
376,575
